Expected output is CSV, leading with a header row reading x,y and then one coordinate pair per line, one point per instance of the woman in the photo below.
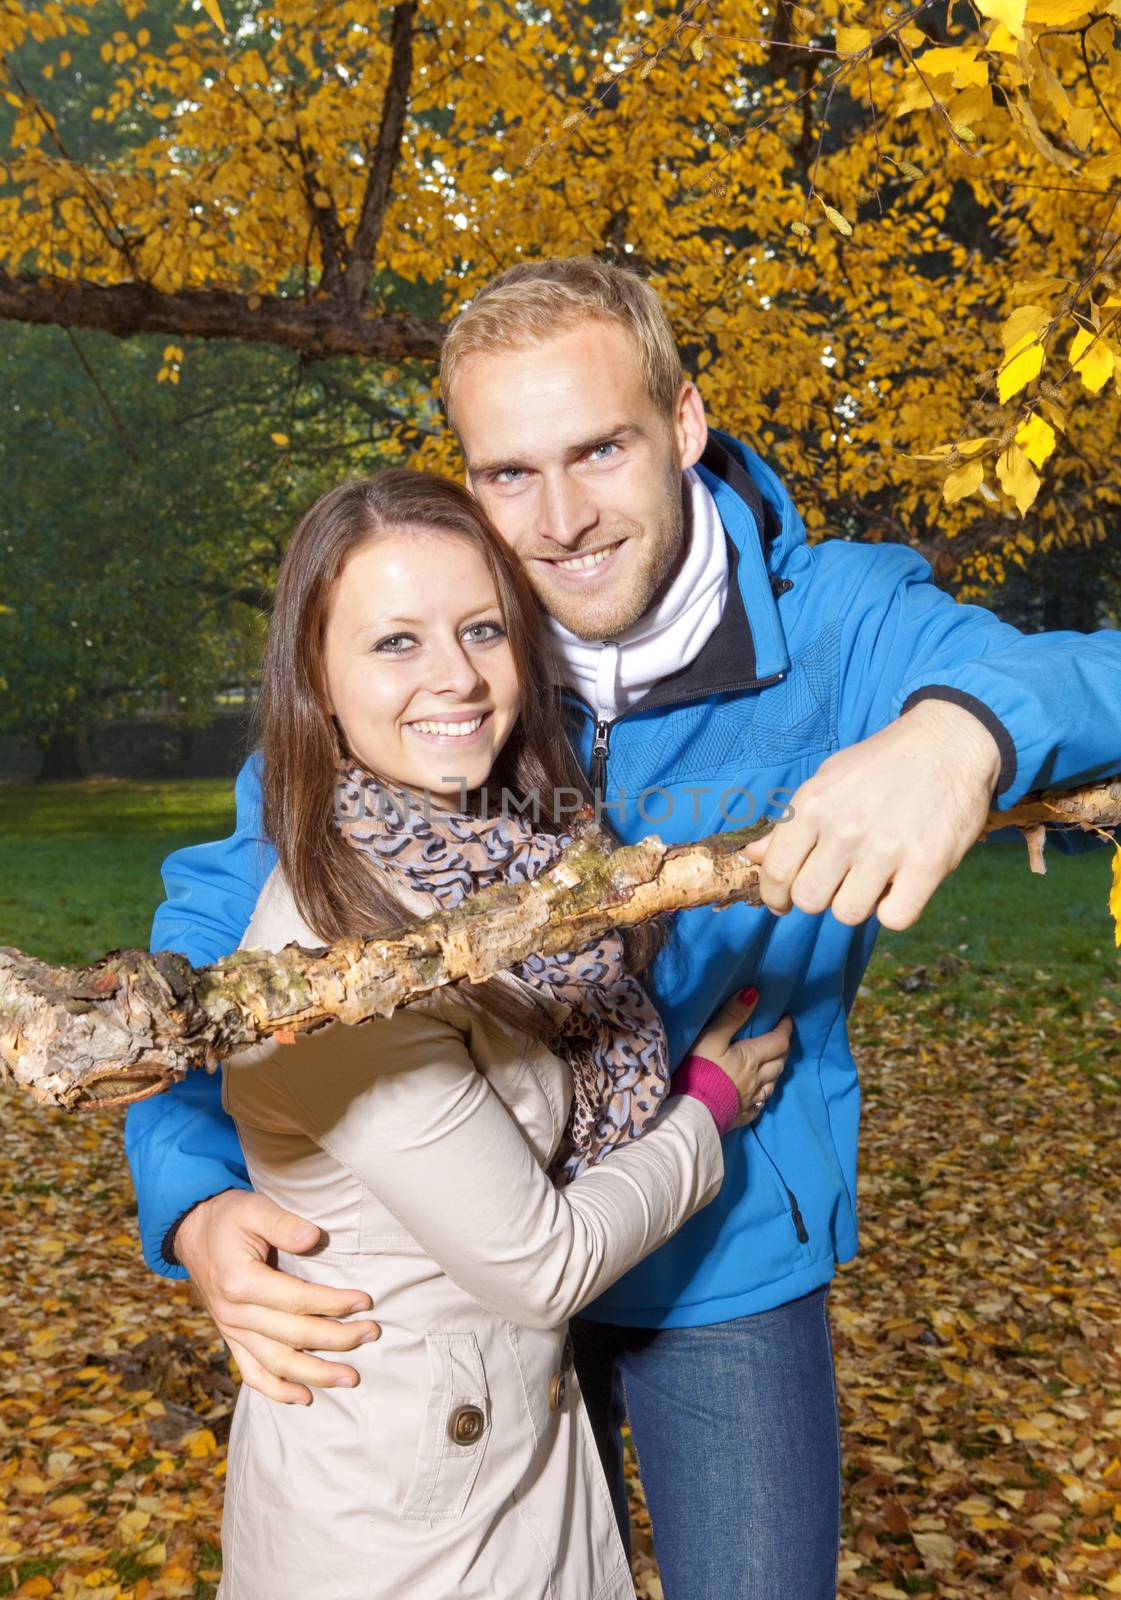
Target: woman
x,y
474,1160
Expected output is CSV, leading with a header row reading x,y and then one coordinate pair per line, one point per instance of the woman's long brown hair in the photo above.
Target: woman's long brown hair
x,y
334,888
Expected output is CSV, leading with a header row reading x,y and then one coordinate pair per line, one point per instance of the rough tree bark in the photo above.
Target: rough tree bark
x,y
324,326
336,319
133,1024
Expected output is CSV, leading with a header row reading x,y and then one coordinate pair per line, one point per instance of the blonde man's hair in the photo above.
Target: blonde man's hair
x,y
535,300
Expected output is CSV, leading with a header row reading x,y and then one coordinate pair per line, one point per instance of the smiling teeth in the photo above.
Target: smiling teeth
x,y
456,730
582,563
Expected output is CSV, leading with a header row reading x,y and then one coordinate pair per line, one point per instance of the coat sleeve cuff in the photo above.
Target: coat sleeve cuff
x,y
984,715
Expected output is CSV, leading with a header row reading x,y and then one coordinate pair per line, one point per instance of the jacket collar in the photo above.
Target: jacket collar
x,y
761,522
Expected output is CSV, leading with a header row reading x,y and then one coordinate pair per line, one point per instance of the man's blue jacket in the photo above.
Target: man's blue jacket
x,y
818,648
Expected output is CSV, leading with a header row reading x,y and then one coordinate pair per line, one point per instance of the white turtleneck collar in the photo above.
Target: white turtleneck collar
x,y
613,674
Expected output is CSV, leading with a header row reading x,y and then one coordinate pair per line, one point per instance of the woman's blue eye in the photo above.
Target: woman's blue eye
x,y
486,630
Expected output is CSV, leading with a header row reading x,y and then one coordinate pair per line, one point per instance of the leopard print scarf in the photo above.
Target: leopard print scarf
x,y
612,1038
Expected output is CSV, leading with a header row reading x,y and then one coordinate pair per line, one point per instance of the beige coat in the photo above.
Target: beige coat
x,y
463,1466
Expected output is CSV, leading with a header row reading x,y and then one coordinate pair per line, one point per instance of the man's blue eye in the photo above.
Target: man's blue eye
x,y
610,445
508,474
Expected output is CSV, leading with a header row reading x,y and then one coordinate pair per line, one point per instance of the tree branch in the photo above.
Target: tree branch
x,y
384,155
316,328
133,1024
324,219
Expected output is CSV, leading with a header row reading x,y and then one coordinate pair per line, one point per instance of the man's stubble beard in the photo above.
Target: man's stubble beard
x,y
597,619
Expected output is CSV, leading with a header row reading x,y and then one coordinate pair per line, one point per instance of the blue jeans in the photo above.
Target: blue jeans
x,y
735,1426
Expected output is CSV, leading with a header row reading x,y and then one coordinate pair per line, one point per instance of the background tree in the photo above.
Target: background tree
x,y
141,525
887,239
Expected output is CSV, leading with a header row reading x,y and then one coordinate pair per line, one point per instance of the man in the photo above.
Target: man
x,y
714,666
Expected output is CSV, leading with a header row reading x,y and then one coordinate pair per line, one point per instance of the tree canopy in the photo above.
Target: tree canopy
x,y
886,234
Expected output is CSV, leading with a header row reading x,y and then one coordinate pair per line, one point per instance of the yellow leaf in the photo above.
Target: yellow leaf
x,y
1002,41
800,229
1010,12
1095,366
971,105
963,481
1020,110
1036,439
697,48
1018,479
962,65
851,41
1081,126
1026,322
937,1550
1021,365
839,221
321,199
1056,13
200,1443
280,439
67,1505
170,352
214,12
1055,91
107,51
1115,896
916,94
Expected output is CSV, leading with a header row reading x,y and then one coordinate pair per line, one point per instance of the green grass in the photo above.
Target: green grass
x,y
79,874
80,863
1021,940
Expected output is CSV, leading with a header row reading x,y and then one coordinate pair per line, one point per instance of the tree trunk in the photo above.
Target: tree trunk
x,y
66,757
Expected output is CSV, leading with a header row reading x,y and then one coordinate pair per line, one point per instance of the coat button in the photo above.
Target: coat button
x,y
557,1389
568,1355
466,1424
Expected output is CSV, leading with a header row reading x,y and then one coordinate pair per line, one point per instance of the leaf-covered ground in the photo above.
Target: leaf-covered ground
x,y
977,1335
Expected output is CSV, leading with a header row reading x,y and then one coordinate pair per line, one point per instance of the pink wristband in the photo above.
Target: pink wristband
x,y
703,1080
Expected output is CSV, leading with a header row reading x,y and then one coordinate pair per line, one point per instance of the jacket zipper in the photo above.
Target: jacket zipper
x,y
792,1199
597,770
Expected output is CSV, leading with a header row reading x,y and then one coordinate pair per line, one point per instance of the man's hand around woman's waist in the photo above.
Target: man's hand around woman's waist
x,y
269,1319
